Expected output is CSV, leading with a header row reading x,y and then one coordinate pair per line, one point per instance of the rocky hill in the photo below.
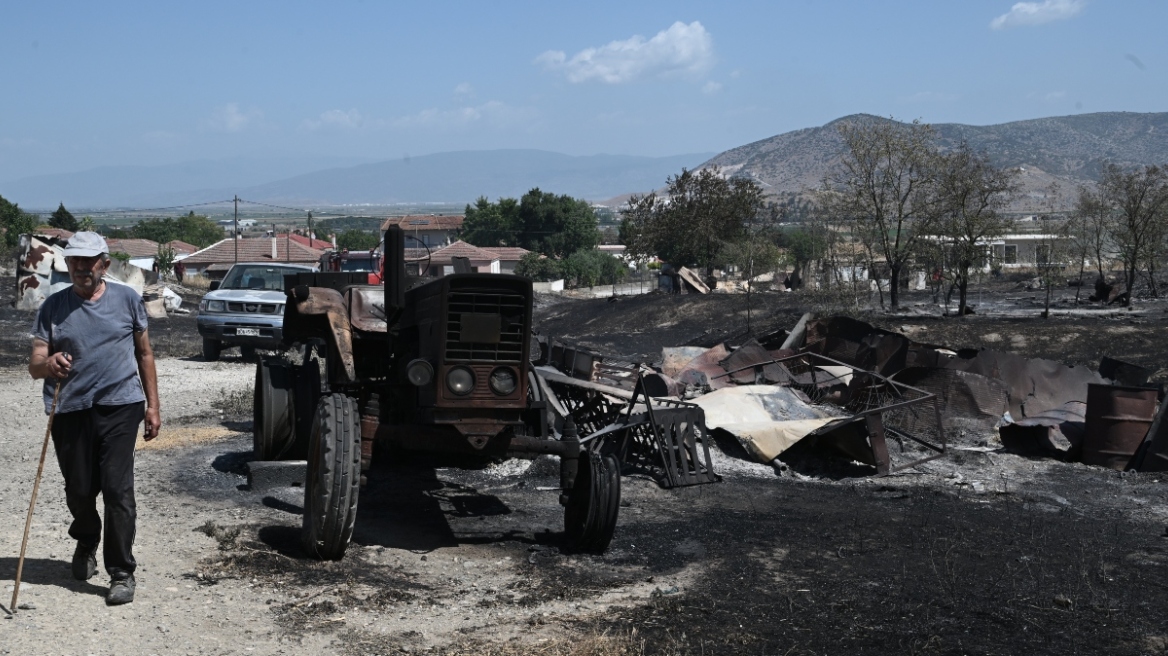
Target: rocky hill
x,y
1069,150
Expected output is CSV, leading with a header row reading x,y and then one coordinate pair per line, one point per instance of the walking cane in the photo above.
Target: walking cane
x,y
31,504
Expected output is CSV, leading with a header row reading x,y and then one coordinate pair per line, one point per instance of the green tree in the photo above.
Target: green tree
x,y
87,224
165,258
699,212
539,268
15,222
193,229
491,224
63,219
357,240
556,226
588,268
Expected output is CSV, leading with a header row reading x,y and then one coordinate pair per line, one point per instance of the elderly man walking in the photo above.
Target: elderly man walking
x,y
92,337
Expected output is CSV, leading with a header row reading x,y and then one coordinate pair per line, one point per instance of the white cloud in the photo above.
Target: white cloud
x,y
335,118
680,49
465,90
711,87
230,118
1037,13
492,113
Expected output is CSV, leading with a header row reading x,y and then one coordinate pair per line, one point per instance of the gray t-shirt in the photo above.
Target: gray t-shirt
x,y
99,335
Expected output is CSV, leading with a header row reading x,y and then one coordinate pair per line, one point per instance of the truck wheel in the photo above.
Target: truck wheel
x,y
273,412
334,477
211,349
593,503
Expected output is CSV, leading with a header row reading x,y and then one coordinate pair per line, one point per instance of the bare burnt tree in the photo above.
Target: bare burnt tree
x,y
886,183
1088,231
972,191
1138,199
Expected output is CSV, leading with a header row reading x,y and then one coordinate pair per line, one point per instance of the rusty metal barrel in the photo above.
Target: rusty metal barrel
x,y
1118,418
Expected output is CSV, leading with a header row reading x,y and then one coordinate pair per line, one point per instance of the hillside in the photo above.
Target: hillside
x,y
1069,150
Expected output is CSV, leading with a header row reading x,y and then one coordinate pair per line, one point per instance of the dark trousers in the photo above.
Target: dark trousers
x,y
95,448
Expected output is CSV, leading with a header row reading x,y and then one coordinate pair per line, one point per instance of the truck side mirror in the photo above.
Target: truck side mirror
x,y
215,285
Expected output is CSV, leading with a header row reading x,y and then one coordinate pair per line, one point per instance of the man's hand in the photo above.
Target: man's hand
x,y
153,423
59,365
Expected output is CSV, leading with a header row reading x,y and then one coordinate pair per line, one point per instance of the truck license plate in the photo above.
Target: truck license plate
x,y
247,332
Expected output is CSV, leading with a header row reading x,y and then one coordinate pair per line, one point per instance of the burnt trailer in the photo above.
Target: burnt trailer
x,y
441,367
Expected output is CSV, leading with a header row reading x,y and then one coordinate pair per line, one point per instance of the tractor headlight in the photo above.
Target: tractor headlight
x,y
502,381
460,380
420,372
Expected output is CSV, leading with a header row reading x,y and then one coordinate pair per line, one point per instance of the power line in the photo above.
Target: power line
x,y
158,209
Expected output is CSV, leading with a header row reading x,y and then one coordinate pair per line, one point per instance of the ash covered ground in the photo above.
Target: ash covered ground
x,y
981,552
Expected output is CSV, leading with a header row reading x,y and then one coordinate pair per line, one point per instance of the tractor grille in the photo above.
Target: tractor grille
x,y
254,308
508,305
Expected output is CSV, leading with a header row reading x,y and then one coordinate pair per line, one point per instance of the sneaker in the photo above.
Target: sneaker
x,y
121,591
84,561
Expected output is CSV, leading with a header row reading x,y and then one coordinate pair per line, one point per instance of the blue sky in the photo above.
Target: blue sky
x,y
93,84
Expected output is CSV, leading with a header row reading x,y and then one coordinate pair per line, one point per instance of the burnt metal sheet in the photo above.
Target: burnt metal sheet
x,y
704,370
1123,373
858,344
969,402
1118,418
750,364
693,281
765,419
1034,385
675,358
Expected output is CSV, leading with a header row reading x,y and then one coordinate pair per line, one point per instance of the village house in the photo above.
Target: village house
x,y
214,260
497,259
431,230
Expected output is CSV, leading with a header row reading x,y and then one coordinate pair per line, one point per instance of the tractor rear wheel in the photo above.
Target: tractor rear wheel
x,y
273,411
334,477
593,503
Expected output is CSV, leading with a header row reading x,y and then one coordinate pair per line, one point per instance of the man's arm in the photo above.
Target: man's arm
x,y
146,371
43,365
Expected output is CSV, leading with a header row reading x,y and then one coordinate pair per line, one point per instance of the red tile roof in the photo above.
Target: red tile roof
x,y
59,233
462,249
181,247
431,222
509,253
133,247
256,250
321,244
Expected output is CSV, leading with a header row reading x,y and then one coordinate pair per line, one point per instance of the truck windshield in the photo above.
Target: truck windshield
x,y
257,277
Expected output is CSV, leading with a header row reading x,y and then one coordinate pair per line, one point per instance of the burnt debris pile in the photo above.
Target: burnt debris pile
x,y
837,387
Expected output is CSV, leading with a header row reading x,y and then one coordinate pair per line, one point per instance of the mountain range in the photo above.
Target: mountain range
x,y
1067,150
454,177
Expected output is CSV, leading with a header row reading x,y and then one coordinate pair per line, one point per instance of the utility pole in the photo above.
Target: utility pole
x,y
288,245
235,236
311,234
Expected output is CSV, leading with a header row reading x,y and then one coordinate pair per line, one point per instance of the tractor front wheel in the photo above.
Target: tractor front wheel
x,y
334,477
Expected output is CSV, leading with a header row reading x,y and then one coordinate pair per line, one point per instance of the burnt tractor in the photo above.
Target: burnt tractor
x,y
446,367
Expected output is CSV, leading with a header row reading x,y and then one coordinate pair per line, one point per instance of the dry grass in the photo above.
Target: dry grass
x,y
177,438
201,283
234,403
